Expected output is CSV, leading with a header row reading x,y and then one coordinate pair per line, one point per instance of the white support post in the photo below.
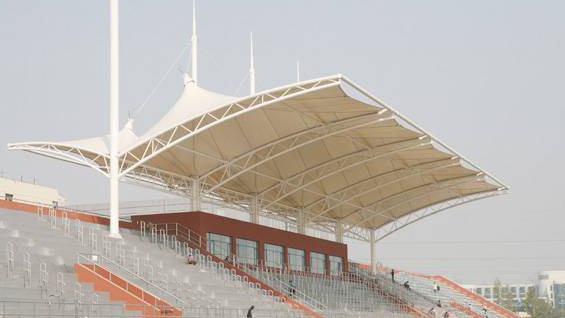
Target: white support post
x,y
251,67
194,46
298,71
301,222
114,118
254,210
373,253
339,232
196,194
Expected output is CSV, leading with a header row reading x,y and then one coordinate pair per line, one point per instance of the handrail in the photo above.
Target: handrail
x,y
153,306
180,230
495,307
136,276
310,301
402,294
396,288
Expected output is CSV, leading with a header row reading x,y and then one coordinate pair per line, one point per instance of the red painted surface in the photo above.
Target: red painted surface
x,y
120,290
24,207
209,223
465,310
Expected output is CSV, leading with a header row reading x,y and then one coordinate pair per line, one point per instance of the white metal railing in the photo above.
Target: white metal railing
x,y
27,270
10,258
112,266
43,279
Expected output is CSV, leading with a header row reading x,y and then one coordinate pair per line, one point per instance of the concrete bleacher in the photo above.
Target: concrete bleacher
x,y
36,271
38,253
332,294
448,295
55,244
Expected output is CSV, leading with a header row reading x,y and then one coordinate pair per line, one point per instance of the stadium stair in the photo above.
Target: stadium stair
x,y
453,294
37,272
164,273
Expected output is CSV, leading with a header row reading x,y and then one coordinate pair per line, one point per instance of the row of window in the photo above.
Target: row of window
x,y
488,292
248,253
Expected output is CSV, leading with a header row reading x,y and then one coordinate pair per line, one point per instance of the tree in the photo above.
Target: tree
x,y
503,296
539,308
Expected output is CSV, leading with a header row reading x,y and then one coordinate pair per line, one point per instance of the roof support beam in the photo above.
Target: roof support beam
x,y
329,168
436,187
418,128
65,153
372,184
403,222
373,253
301,222
258,156
338,229
151,148
196,194
254,210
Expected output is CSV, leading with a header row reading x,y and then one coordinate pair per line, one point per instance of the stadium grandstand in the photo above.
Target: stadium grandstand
x,y
294,170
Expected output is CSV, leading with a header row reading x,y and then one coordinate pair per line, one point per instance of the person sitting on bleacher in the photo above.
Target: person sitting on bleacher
x,y
407,285
191,260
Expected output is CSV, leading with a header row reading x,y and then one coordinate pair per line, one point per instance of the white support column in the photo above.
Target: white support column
x,y
251,67
254,210
301,222
196,194
114,118
297,71
373,253
339,232
194,46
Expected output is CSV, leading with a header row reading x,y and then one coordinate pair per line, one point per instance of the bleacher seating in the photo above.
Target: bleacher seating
x,y
446,294
46,281
40,250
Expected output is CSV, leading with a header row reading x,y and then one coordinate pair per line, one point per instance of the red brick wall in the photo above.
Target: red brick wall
x,y
209,223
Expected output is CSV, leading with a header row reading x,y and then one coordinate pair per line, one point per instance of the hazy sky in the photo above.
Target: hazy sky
x,y
487,77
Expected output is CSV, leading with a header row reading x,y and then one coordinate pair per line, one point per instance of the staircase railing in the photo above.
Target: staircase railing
x,y
111,266
292,291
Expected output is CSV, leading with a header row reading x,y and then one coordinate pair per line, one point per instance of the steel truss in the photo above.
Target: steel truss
x,y
272,201
403,222
66,153
375,183
174,136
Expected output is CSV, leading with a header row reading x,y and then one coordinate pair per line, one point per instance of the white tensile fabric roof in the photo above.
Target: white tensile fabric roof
x,y
308,148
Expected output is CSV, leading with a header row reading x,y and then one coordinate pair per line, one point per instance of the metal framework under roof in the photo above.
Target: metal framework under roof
x,y
308,153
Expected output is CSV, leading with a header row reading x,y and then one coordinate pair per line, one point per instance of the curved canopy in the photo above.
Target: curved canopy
x,y
309,148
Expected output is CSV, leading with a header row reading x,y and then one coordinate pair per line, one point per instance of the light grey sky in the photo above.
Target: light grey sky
x,y
487,77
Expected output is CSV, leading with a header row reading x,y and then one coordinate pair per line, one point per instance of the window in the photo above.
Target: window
x,y
479,291
273,255
219,245
9,197
522,290
559,291
317,263
247,251
336,265
296,259
487,292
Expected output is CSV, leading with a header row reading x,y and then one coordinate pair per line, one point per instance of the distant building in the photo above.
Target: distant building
x,y
13,190
550,286
519,291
